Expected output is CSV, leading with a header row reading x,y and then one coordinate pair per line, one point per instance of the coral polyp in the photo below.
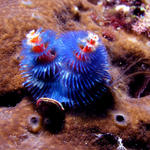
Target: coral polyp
x,y
72,68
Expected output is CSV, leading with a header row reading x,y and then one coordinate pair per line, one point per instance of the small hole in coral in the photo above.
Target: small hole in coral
x,y
34,120
120,118
34,123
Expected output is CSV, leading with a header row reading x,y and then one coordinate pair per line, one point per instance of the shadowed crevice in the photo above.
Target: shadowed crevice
x,y
12,98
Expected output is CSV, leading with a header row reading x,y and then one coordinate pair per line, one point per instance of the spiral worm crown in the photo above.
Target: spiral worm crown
x,y
72,68
85,66
40,64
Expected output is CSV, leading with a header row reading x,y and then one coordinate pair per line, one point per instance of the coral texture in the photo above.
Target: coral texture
x,y
123,27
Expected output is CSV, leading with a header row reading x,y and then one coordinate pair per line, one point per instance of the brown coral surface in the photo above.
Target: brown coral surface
x,y
126,124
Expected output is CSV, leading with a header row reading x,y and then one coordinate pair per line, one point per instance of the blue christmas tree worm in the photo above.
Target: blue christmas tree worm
x,y
40,64
85,66
71,68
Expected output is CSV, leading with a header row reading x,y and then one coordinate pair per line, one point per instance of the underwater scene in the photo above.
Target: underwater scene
x,y
74,74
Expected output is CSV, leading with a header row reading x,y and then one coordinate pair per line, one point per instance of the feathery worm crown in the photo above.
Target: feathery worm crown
x,y
71,68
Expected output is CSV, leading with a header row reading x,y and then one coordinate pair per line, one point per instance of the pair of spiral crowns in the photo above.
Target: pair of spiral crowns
x,y
71,68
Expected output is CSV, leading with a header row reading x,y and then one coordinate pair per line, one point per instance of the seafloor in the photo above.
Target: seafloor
x,y
124,28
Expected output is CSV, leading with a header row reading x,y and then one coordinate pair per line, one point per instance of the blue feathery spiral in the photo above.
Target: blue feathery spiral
x,y
40,64
85,67
71,69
